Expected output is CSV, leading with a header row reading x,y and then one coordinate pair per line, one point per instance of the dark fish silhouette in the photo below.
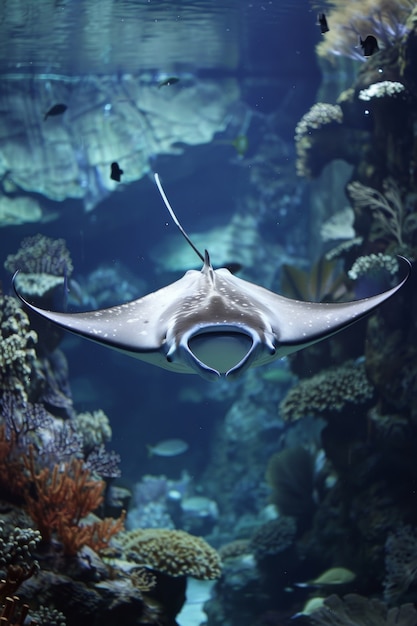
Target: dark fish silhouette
x,y
116,172
172,80
57,109
369,45
322,22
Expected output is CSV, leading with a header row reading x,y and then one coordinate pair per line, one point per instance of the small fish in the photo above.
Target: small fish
x,y
239,143
369,45
332,576
310,606
116,172
322,22
57,109
168,447
172,80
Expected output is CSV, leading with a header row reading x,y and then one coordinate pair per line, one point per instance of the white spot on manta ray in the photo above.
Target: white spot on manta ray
x,y
179,327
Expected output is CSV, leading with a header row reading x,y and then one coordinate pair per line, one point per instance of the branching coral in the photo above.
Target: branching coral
x,y
391,220
58,500
355,610
23,420
104,463
96,431
173,552
328,393
348,21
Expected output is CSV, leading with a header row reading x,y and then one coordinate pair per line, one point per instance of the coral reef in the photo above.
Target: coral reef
x,y
17,349
17,562
273,537
59,499
373,264
172,552
384,19
315,136
355,610
41,255
43,263
400,563
234,549
95,429
330,394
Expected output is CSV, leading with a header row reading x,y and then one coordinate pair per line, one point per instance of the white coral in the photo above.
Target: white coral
x,y
383,89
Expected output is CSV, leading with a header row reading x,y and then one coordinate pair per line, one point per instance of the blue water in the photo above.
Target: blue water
x,y
254,70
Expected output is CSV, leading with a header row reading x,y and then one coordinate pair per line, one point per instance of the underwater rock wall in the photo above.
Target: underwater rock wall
x,y
124,119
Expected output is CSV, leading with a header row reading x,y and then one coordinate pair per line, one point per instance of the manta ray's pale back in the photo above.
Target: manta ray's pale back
x,y
213,323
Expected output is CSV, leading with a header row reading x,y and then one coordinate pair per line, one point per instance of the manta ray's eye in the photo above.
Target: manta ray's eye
x,y
220,350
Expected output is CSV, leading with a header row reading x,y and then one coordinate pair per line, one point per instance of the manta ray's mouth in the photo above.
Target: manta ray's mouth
x,y
219,350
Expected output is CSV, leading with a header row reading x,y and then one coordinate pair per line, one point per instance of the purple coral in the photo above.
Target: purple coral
x,y
21,419
104,463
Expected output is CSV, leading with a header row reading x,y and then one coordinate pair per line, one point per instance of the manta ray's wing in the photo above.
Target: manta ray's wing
x,y
138,328
213,323
296,324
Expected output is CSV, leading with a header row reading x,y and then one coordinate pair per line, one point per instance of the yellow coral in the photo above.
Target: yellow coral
x,y
172,552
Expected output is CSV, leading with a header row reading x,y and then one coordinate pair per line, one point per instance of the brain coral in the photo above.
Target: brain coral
x,y
173,552
330,391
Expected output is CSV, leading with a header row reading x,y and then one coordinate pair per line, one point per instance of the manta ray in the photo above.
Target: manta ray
x,y
211,322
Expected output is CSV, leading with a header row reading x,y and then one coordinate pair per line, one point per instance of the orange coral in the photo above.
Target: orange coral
x,y
58,499
96,535
61,496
